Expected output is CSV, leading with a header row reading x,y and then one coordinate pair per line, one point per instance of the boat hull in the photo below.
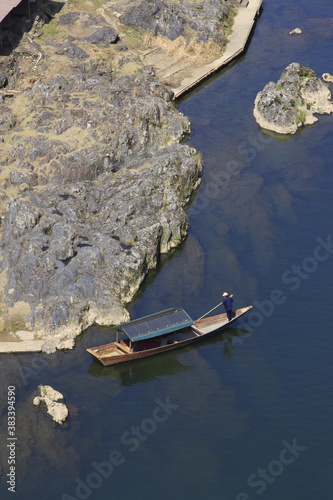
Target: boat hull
x,y
115,353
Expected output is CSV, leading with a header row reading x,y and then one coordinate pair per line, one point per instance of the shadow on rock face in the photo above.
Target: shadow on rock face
x,y
18,23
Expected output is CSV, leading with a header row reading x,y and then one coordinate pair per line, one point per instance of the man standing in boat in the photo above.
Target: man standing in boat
x,y
227,302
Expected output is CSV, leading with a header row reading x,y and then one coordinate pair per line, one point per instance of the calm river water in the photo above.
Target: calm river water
x,y
238,417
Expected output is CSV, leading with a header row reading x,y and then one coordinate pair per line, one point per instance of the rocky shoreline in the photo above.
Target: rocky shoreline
x,y
103,183
95,180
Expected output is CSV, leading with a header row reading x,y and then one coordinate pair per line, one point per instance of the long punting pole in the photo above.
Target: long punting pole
x,y
211,310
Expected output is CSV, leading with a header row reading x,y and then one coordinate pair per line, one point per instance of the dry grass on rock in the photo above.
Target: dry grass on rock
x,y
183,50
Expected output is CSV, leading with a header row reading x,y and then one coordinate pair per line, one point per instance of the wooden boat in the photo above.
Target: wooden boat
x,y
160,332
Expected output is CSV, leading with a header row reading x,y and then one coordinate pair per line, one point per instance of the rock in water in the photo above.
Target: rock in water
x,y
53,399
296,31
290,103
327,77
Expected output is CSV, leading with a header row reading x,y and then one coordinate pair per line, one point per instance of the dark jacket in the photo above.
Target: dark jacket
x,y
227,302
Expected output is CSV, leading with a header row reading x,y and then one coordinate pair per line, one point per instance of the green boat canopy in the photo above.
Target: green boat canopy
x,y
156,324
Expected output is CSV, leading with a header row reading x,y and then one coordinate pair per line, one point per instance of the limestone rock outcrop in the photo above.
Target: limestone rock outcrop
x,y
104,183
173,19
95,178
293,101
327,77
296,31
54,403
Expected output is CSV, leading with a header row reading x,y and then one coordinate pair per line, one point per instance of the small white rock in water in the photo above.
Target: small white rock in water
x,y
296,31
53,400
327,77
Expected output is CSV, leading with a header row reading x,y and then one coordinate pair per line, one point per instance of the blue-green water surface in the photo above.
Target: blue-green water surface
x,y
247,414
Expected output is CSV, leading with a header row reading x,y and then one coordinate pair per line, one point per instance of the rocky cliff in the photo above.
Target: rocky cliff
x,y
103,183
94,178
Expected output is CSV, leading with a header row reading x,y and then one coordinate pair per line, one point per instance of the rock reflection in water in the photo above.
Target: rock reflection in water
x,y
180,286
252,208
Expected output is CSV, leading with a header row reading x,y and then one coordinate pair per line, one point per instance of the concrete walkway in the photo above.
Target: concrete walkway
x,y
241,31
181,74
21,341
